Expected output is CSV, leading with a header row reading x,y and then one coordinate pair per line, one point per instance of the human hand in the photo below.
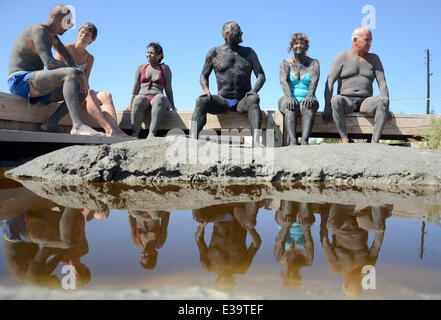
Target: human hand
x,y
207,93
129,107
307,103
327,113
292,104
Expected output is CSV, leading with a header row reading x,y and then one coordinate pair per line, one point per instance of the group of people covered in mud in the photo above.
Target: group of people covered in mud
x,y
39,77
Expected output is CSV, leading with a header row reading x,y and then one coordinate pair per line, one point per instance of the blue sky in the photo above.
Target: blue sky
x,y
188,29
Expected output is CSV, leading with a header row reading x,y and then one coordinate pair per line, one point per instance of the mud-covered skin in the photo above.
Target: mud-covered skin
x,y
355,70
232,65
160,103
31,51
300,64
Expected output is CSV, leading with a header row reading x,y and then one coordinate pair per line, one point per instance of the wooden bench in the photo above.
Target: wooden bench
x,y
16,114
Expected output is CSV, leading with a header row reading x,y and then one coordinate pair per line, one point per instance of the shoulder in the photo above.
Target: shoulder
x,y
141,66
90,57
36,29
165,67
314,62
285,63
214,51
373,57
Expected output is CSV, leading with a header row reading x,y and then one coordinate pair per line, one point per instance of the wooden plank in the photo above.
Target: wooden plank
x,y
45,137
17,114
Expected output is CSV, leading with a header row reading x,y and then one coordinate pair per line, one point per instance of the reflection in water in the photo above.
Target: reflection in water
x,y
294,247
148,231
41,235
36,241
227,253
348,252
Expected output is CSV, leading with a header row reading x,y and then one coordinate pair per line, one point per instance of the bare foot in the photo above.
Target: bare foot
x,y
46,127
85,130
118,134
345,140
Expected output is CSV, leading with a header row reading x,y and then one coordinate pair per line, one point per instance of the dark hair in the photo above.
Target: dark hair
x,y
91,28
298,36
158,49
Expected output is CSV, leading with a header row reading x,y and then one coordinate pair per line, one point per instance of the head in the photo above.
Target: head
x,y
232,33
60,19
154,52
87,33
299,43
292,277
149,257
362,39
352,286
225,282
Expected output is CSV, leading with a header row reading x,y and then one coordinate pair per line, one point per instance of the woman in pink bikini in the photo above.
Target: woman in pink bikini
x,y
150,81
105,117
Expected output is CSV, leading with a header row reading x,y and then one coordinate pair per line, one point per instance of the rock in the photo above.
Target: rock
x,y
178,159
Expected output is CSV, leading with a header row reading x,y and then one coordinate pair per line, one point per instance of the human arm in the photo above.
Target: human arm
x,y
314,70
379,75
43,44
136,85
168,86
202,246
333,76
258,72
284,76
206,71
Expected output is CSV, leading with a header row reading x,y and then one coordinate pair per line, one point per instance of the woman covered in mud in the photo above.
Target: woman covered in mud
x,y
150,81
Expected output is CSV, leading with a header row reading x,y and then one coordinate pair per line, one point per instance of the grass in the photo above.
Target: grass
x,y
432,136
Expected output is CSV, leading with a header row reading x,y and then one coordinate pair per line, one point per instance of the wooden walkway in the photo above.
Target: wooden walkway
x,y
20,121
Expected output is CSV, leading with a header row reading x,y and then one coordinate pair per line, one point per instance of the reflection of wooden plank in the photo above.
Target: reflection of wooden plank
x,y
17,114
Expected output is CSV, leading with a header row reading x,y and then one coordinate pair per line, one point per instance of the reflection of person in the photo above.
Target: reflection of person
x,y
31,54
349,252
148,93
227,253
46,238
149,231
299,76
106,118
355,70
294,246
232,65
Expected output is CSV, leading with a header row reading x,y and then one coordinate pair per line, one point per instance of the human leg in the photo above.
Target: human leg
x,y
250,104
47,81
160,105
290,117
308,121
341,106
139,104
380,107
104,99
213,104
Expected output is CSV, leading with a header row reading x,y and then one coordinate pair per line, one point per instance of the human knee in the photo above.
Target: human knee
x,y
337,102
106,96
252,100
70,73
383,103
202,102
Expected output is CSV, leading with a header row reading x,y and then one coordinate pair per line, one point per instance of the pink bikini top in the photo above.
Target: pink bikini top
x,y
160,81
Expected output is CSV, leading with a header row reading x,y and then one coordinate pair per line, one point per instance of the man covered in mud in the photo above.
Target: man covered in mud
x,y
227,253
31,53
232,65
355,70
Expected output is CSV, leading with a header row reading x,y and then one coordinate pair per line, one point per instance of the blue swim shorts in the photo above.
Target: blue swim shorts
x,y
18,82
232,103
